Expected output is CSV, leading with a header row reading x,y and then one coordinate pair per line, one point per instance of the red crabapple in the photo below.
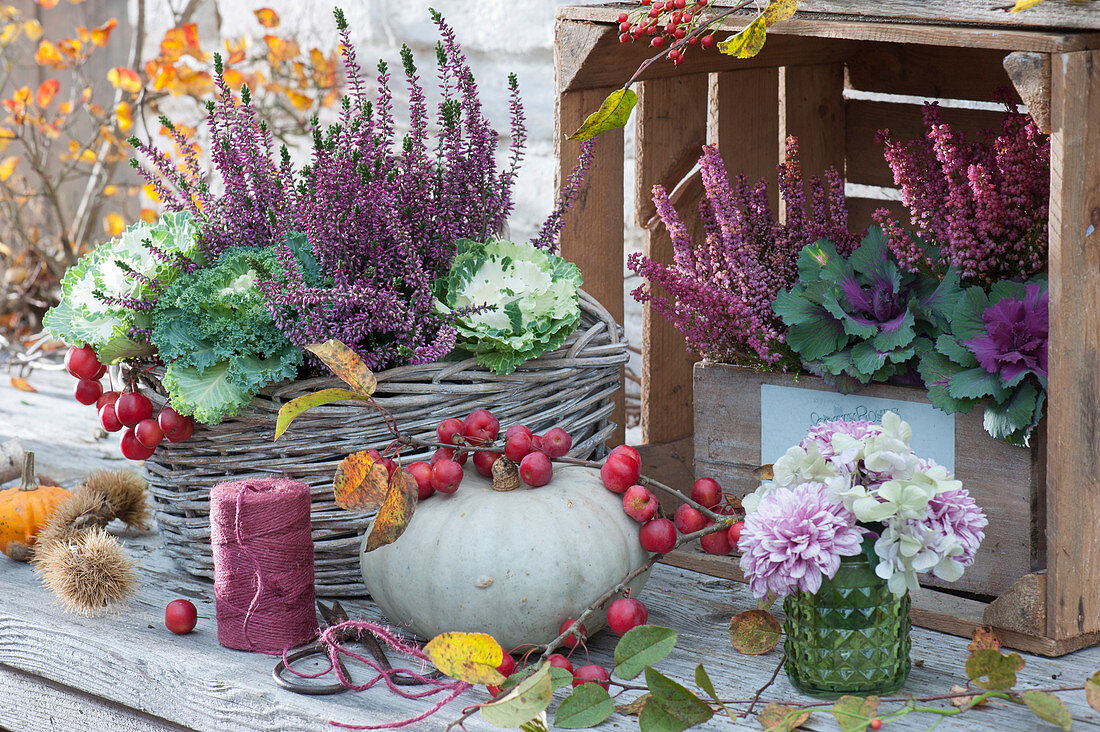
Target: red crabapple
x,y
107,397
446,476
518,445
87,391
177,427
628,450
591,674
716,543
707,492
180,616
82,363
481,427
422,474
148,433
576,638
536,470
131,448
447,453
556,442
132,407
109,419
734,533
559,661
658,535
483,461
626,613
639,503
450,429
688,520
619,472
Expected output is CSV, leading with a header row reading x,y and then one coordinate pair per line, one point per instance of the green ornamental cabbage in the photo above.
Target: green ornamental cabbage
x,y
220,345
531,299
89,312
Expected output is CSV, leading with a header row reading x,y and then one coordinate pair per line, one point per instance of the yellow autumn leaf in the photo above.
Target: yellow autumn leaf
x,y
111,190
124,117
7,167
148,215
87,156
9,33
71,47
101,35
778,10
233,79
33,29
281,49
747,42
21,384
47,3
182,41
125,79
268,18
47,90
469,657
48,55
151,192
300,101
113,225
1025,4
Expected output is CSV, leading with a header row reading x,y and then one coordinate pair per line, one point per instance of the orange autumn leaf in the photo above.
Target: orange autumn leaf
x,y
33,29
182,41
192,83
151,192
111,190
101,35
7,167
125,79
346,364
21,384
234,51
324,70
300,101
48,55
71,47
361,484
281,49
233,79
47,90
148,215
268,18
124,116
113,225
47,3
396,511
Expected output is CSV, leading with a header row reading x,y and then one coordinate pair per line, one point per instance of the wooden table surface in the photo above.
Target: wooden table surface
x,y
127,672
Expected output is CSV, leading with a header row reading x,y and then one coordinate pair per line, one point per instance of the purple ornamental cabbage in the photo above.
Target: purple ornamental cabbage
x,y
1015,340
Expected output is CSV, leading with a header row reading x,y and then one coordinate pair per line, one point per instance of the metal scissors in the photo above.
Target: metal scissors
x,y
332,616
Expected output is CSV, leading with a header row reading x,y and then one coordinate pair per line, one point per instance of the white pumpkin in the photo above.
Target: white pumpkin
x,y
512,564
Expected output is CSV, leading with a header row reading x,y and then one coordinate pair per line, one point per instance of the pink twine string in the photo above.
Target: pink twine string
x,y
332,637
263,564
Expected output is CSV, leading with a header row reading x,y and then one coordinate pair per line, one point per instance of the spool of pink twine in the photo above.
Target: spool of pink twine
x,y
263,564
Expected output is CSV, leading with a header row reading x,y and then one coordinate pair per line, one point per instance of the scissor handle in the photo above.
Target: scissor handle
x,y
296,685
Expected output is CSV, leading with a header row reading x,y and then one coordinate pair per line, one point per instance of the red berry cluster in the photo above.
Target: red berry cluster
x,y
665,22
130,412
591,673
707,492
531,452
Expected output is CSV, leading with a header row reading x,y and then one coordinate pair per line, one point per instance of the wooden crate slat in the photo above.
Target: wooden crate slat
x,y
839,25
671,131
744,123
860,210
811,108
866,164
1073,411
593,233
929,71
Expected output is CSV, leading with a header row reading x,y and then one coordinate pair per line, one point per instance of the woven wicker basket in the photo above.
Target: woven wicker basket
x,y
570,387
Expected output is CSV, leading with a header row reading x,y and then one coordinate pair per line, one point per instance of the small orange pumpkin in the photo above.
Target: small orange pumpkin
x,y
25,509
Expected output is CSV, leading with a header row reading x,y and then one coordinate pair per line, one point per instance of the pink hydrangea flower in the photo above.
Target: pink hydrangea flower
x,y
795,539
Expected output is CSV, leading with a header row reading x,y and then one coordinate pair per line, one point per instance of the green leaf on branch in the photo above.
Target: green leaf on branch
x,y
1048,707
525,702
538,724
854,713
702,680
779,718
642,647
754,632
672,707
295,407
560,678
346,364
990,669
612,114
587,706
778,10
1092,691
748,41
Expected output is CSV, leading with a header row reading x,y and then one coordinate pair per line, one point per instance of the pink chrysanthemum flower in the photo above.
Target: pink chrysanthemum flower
x,y
821,434
954,514
795,539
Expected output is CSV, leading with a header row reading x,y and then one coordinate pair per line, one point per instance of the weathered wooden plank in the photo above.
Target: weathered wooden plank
x,y
998,475
860,212
744,123
840,24
671,131
1073,450
864,119
928,71
593,232
811,108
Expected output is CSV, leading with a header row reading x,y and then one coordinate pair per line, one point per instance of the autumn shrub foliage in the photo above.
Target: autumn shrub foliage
x,y
68,107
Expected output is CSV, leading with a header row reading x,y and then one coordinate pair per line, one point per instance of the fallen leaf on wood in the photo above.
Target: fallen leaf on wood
x,y
21,384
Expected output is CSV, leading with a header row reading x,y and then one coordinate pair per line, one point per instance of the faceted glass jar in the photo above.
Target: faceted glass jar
x,y
851,637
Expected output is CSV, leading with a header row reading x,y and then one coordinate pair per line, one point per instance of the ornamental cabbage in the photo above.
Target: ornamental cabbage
x,y
219,343
509,302
105,295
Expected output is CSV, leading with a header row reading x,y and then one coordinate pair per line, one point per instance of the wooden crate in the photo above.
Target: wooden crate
x,y
812,80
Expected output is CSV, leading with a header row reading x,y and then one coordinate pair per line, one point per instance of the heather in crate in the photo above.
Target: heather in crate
x,y
381,215
719,291
984,202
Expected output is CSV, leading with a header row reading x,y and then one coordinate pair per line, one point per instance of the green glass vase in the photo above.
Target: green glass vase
x,y
851,637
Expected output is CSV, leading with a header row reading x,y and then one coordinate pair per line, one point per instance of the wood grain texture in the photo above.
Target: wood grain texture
x,y
998,475
838,23
860,212
928,71
671,129
864,119
593,233
1073,411
744,123
811,108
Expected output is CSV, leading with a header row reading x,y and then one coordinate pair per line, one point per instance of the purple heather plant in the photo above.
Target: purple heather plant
x,y
983,202
719,292
380,215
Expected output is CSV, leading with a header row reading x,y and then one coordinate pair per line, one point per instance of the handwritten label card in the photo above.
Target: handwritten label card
x,y
788,412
